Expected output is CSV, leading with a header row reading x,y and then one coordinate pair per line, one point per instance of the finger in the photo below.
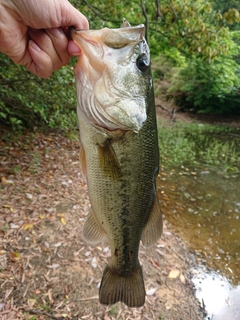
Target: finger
x,y
60,44
58,55
73,49
39,62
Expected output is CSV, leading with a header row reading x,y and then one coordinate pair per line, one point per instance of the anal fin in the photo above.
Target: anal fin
x,y
93,233
153,229
129,290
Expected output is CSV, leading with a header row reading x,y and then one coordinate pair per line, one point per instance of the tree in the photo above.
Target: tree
x,y
200,38
26,100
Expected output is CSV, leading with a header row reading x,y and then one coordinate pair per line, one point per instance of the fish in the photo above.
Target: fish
x,y
119,154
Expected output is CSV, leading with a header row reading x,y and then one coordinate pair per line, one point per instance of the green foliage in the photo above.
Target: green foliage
x,y
197,144
211,88
224,6
194,28
191,45
26,100
195,45
209,80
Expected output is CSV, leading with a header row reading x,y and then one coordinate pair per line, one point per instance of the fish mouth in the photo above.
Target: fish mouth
x,y
89,41
96,44
114,38
101,48
75,33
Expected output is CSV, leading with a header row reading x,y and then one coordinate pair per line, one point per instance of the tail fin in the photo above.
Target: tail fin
x,y
129,290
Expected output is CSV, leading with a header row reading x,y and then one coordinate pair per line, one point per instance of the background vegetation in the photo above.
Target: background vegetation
x,y
195,52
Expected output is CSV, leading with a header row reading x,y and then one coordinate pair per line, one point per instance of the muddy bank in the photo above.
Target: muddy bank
x,y
169,111
46,270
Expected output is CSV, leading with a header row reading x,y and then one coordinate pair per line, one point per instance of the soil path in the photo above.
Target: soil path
x,y
46,270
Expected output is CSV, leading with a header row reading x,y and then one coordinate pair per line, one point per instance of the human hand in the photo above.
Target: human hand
x,y
34,33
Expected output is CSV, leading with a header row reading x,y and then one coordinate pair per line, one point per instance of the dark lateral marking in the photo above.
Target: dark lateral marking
x,y
116,252
130,253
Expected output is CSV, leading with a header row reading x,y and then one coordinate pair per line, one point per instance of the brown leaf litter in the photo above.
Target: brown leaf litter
x,y
46,270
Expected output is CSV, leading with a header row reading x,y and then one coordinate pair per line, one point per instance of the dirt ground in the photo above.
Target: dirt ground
x,y
170,112
46,270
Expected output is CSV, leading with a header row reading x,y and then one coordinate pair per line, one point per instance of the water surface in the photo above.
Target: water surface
x,y
201,199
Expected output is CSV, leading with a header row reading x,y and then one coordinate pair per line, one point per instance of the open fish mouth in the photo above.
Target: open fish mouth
x,y
113,86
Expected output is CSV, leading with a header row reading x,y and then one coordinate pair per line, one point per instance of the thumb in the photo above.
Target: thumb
x,y
73,49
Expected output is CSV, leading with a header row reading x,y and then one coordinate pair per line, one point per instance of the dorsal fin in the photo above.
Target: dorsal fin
x,y
125,24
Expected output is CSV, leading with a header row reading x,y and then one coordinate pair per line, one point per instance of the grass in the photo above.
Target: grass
x,y
199,144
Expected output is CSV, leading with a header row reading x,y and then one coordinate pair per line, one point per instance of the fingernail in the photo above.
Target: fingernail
x,y
56,32
34,45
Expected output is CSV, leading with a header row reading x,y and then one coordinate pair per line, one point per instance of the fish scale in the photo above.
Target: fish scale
x,y
119,158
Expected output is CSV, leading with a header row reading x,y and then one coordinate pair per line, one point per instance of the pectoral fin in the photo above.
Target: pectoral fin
x,y
153,229
108,160
93,232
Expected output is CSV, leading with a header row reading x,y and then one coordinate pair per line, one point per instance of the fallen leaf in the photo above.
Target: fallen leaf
x,y
57,244
15,256
53,266
46,244
60,215
151,291
182,278
173,274
63,221
2,305
8,207
94,262
13,226
6,181
32,302
28,226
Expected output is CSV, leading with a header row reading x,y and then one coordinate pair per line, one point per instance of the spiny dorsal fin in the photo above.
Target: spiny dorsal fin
x,y
153,229
125,23
93,232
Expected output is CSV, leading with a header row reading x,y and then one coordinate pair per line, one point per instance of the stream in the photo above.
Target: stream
x,y
202,203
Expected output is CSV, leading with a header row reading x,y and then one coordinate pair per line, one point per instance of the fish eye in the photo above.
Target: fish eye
x,y
142,62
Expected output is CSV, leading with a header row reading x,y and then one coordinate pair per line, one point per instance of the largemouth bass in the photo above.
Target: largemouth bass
x,y
119,153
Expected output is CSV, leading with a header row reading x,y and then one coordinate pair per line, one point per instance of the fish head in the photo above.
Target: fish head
x,y
113,77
